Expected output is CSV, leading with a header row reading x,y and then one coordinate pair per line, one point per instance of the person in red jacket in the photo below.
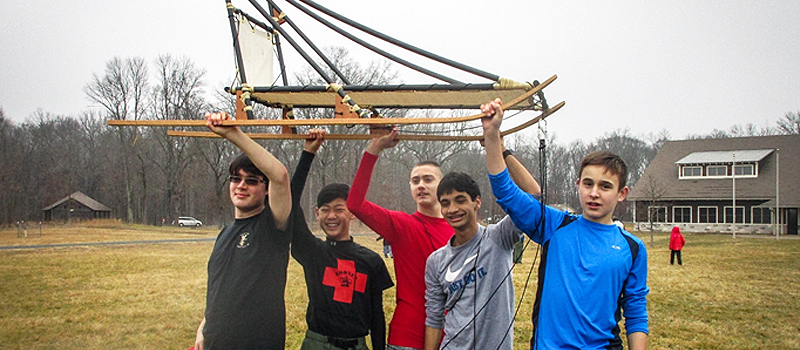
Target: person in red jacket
x,y
676,242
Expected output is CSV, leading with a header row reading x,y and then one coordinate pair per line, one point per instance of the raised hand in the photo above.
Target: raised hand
x,y
214,123
494,115
315,139
378,144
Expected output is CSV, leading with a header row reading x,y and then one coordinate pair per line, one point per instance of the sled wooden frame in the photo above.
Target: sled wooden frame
x,y
333,121
407,137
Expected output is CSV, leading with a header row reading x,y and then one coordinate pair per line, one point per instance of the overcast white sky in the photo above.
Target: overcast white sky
x,y
686,67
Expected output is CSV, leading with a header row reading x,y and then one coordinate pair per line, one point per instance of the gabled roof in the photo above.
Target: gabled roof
x,y
766,150
80,197
726,157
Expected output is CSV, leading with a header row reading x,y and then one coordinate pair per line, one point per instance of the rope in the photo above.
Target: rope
x,y
543,176
542,131
505,83
543,185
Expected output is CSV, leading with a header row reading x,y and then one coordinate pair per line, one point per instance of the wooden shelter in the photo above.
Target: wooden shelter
x,y
76,206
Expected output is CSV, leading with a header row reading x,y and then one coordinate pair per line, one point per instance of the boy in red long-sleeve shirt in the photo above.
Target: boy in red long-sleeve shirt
x,y
412,236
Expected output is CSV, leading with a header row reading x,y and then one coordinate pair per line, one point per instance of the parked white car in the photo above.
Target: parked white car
x,y
189,221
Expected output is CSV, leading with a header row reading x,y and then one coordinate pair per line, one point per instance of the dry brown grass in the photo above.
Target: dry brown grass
x,y
731,294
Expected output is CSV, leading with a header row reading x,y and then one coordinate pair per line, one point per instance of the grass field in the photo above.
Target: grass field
x,y
738,293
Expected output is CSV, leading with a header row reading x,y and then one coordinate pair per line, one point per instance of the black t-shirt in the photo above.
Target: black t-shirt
x,y
246,282
345,281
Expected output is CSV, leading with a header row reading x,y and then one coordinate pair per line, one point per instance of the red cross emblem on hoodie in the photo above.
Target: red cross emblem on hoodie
x,y
345,280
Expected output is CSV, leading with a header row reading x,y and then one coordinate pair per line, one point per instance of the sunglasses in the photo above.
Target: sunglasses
x,y
250,180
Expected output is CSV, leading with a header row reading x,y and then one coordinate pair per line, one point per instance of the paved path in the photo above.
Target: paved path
x,y
158,241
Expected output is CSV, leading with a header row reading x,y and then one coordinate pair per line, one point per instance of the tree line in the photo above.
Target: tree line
x,y
143,174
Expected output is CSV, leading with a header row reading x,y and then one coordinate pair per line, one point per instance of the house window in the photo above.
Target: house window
x,y
692,171
739,215
707,215
744,170
762,215
682,214
657,213
717,170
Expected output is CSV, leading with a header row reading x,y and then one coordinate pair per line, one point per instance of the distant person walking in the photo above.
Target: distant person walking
x,y
676,242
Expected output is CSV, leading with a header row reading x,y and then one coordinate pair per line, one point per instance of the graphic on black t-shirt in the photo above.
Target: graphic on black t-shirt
x,y
244,240
345,280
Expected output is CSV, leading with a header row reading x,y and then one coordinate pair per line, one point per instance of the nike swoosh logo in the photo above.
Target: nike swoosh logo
x,y
450,276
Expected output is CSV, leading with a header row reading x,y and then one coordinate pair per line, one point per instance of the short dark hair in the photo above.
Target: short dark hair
x,y
243,162
612,162
428,162
332,192
461,182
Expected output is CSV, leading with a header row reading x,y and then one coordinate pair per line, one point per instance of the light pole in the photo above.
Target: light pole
x,y
777,193
733,172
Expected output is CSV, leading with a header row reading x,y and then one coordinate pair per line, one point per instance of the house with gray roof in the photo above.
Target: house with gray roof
x,y
741,185
76,206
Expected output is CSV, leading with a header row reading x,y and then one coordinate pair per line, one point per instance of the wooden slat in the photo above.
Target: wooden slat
x,y
409,137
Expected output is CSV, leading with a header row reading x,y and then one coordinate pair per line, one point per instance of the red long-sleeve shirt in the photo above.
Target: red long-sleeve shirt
x,y
413,237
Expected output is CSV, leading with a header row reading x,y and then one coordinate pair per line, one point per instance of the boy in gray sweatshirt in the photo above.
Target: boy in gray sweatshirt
x,y
470,292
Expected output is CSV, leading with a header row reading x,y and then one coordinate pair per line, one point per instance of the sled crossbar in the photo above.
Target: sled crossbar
x,y
391,96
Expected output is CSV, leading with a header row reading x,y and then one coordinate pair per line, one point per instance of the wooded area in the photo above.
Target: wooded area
x,y
143,174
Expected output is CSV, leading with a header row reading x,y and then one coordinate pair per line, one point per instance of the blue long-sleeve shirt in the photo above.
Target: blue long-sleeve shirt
x,y
587,273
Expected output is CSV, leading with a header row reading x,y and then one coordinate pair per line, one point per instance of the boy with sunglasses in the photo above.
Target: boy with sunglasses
x,y
247,268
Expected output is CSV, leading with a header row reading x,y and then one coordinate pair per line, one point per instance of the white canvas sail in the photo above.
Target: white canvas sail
x,y
256,47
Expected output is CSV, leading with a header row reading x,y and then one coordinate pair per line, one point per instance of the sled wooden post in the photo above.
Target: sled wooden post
x,y
288,113
342,109
240,113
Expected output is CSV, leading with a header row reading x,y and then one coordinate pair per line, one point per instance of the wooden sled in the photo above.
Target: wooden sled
x,y
351,103
333,121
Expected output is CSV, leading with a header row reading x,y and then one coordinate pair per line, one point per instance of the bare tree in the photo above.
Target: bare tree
x,y
13,149
653,190
177,95
121,94
790,124
750,129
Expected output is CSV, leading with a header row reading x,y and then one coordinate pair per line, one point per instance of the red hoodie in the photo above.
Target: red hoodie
x,y
676,240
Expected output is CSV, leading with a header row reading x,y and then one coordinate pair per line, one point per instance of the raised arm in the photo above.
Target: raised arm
x,y
491,136
376,217
310,148
514,201
279,193
521,176
303,239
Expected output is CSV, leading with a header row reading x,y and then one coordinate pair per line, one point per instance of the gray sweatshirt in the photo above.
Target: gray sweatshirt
x,y
473,283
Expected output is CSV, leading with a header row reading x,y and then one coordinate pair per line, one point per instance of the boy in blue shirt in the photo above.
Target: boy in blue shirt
x,y
591,272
